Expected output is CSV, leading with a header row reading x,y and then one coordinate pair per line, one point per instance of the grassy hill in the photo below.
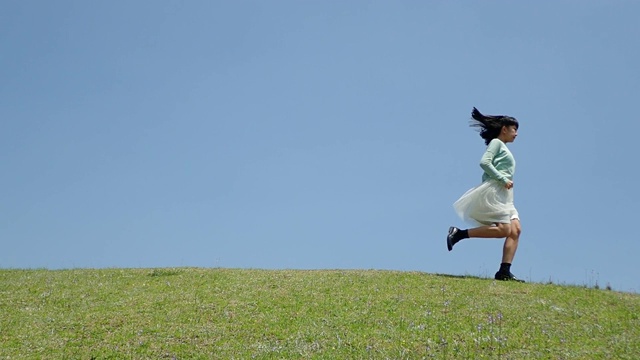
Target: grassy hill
x,y
188,313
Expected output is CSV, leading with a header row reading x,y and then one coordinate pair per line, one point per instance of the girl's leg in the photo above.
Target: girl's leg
x,y
508,252
494,231
511,242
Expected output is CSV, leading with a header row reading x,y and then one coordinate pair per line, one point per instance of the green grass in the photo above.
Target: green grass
x,y
188,313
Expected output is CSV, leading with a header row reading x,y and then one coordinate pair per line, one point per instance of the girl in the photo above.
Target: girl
x,y
491,203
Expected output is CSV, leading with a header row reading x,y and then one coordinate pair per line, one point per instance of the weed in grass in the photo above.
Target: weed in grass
x,y
163,272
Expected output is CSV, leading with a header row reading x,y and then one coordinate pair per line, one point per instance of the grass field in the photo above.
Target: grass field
x,y
191,313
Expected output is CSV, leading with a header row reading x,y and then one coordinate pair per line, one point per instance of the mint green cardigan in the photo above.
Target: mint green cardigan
x,y
497,162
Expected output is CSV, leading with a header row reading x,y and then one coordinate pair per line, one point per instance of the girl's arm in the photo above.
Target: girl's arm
x,y
486,163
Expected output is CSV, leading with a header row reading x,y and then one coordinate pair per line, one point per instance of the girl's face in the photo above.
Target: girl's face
x,y
508,133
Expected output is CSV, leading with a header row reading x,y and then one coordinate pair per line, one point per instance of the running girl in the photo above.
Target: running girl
x,y
490,204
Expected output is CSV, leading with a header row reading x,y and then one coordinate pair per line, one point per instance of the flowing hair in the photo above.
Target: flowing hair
x,y
490,126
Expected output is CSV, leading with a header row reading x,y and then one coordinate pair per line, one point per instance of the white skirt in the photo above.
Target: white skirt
x,y
486,204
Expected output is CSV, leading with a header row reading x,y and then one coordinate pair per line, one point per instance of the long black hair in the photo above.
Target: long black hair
x,y
490,126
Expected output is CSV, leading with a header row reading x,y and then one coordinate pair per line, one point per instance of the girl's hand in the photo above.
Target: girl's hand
x,y
509,184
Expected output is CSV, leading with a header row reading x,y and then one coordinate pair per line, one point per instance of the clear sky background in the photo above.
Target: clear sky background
x,y
316,134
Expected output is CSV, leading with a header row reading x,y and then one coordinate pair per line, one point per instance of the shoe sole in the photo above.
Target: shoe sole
x,y
509,279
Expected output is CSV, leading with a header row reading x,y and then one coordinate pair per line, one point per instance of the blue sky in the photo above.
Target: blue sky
x,y
316,134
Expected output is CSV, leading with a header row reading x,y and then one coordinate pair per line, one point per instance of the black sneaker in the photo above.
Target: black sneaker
x,y
450,237
507,277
